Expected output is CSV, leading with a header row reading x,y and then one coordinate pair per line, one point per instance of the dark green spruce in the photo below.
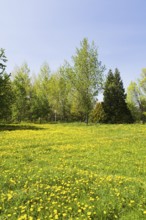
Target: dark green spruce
x,y
6,96
114,104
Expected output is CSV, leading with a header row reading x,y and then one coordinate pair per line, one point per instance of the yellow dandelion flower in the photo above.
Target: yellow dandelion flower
x,y
39,209
9,196
56,216
88,213
132,201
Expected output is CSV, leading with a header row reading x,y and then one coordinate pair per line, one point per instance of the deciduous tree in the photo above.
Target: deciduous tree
x,y
22,91
86,76
60,94
136,97
40,94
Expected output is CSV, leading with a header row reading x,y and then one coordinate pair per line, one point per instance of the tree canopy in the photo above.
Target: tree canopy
x,y
86,76
6,96
136,97
71,92
114,103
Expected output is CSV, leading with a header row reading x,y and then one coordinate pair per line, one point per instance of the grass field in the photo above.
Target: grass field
x,y
73,171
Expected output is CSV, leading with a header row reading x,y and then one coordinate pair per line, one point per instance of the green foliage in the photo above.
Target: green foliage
x,y
134,101
71,171
66,95
40,106
6,95
98,115
136,98
70,93
114,104
59,89
86,76
22,91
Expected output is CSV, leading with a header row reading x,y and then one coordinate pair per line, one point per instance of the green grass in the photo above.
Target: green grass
x,y
73,171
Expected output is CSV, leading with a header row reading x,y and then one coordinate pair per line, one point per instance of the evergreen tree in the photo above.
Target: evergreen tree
x,y
114,104
98,114
6,95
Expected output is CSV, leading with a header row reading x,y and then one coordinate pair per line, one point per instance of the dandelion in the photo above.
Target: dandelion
x,y
88,213
39,209
23,217
64,214
67,185
91,199
56,216
9,196
132,201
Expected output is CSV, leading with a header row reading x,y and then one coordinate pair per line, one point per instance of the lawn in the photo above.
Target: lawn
x,y
72,171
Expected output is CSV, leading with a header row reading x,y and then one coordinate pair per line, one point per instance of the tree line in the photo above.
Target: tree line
x,y
70,93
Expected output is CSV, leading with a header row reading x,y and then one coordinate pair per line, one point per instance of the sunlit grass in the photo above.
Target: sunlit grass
x,y
73,171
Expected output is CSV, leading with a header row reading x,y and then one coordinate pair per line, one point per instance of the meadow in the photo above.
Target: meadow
x,y
72,171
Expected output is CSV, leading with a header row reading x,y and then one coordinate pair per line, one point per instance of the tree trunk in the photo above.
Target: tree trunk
x,y
87,119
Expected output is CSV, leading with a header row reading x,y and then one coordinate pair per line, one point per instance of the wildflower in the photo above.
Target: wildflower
x,y
64,214
132,201
9,196
56,216
39,209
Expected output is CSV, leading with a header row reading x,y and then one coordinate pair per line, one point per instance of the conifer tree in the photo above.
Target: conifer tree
x,y
6,96
98,114
114,104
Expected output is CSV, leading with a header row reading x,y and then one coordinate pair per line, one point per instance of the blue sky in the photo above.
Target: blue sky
x,y
36,31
